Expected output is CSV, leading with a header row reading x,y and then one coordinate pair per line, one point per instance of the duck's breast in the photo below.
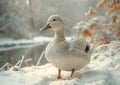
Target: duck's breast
x,y
56,50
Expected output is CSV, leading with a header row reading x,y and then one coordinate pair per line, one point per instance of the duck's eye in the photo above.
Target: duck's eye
x,y
54,19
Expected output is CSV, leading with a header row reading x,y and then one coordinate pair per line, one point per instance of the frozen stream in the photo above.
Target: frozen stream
x,y
9,44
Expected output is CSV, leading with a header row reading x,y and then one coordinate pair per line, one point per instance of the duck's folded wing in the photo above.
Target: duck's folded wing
x,y
77,52
91,51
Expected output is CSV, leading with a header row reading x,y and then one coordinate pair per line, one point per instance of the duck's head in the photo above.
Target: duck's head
x,y
55,23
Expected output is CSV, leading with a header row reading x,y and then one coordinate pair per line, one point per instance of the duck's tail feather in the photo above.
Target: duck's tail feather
x,y
91,51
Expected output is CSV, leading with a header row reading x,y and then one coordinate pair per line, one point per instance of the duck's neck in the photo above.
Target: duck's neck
x,y
59,36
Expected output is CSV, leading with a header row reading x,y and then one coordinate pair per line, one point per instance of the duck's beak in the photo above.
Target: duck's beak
x,y
47,26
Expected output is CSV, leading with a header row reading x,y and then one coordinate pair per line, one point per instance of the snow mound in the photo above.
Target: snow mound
x,y
103,69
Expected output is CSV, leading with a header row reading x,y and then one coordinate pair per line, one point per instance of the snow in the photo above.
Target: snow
x,y
103,69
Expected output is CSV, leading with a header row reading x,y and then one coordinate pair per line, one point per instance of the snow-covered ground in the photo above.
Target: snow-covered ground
x,y
103,69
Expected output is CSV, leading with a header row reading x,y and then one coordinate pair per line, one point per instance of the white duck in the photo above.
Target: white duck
x,y
65,55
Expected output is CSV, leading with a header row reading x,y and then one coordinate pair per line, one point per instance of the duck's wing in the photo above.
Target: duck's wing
x,y
78,43
81,50
77,52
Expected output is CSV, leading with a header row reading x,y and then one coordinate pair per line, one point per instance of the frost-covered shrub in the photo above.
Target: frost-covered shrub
x,y
101,29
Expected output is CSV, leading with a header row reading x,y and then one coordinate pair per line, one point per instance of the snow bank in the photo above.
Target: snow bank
x,y
103,69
